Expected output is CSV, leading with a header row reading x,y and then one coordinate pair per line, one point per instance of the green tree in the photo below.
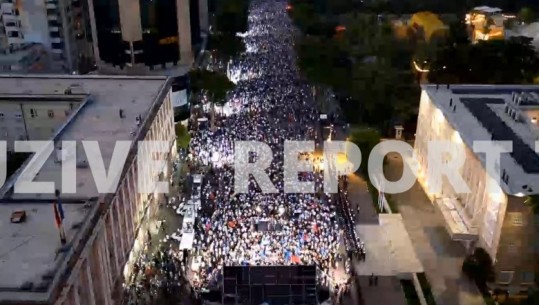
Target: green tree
x,y
366,63
225,47
231,16
458,34
533,202
516,62
212,84
383,66
338,7
365,139
526,15
183,138
479,267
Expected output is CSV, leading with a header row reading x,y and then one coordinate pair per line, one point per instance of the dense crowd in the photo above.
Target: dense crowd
x,y
270,104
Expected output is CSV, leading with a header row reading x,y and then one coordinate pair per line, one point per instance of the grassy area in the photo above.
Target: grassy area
x,y
425,286
409,292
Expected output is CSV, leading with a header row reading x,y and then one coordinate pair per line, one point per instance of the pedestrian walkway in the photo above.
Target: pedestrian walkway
x,y
387,290
441,257
389,249
359,196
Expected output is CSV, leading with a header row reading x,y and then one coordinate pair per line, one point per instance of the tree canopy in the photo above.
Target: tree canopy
x,y
479,267
365,139
533,202
398,7
366,66
527,15
216,85
226,46
231,16
183,138
512,61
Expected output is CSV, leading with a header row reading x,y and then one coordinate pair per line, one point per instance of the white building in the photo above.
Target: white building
x,y
102,229
60,26
496,218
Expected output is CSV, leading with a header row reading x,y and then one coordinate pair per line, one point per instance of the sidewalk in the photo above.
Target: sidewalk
x,y
360,197
441,257
358,193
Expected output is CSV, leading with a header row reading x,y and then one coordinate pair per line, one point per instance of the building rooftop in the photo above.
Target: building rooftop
x,y
32,257
97,118
497,113
31,250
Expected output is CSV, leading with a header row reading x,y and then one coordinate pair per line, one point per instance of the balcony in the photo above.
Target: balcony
x,y
56,39
52,17
54,29
57,51
51,6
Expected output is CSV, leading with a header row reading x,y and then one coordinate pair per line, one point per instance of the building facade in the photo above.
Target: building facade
x,y
103,230
134,36
34,118
60,26
493,214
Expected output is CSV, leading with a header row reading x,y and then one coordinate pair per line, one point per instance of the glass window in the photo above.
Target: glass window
x,y
50,113
33,113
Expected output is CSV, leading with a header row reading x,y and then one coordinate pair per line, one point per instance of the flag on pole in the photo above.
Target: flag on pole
x,y
59,217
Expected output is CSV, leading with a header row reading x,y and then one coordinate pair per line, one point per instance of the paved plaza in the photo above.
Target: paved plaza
x,y
440,256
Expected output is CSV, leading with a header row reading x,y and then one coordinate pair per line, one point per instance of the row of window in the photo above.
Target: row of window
x,y
34,114
19,132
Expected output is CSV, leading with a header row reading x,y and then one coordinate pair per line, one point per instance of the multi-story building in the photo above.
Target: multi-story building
x,y
32,117
138,37
61,26
101,227
493,215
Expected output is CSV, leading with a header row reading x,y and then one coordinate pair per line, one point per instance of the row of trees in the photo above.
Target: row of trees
x,y
362,62
213,84
398,7
512,61
231,16
453,59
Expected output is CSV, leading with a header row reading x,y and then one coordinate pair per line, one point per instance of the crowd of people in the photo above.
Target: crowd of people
x,y
270,104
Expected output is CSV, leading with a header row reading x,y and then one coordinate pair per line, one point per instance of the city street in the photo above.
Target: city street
x,y
271,104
